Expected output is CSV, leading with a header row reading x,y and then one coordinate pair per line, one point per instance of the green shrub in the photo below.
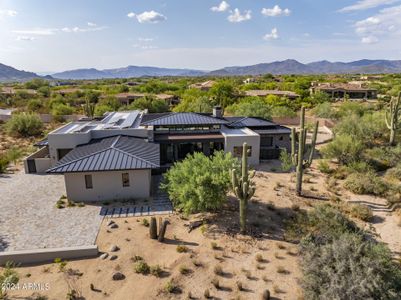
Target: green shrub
x,y
141,267
34,105
344,148
4,162
156,270
251,107
324,167
325,110
368,184
383,158
286,160
351,267
200,183
283,112
24,124
395,172
62,110
359,167
361,212
8,277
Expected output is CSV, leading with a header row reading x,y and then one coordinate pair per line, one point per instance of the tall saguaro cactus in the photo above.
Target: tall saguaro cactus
x,y
89,109
243,186
301,159
392,117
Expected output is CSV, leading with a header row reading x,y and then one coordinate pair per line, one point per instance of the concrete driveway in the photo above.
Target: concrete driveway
x,y
30,220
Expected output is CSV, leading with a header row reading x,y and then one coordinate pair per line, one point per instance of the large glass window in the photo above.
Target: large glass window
x,y
88,182
266,141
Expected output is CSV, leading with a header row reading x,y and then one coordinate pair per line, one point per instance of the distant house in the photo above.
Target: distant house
x,y
203,86
338,91
128,98
263,93
5,114
115,157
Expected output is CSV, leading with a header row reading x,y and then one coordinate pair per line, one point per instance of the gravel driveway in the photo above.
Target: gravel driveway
x,y
29,219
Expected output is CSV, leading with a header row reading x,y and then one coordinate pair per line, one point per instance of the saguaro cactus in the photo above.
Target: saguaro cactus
x,y
153,228
392,117
243,186
298,155
89,109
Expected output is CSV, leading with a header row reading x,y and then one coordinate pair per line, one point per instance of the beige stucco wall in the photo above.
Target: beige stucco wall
x,y
107,186
249,137
42,161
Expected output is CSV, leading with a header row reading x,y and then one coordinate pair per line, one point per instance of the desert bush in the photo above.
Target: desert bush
x,y
339,259
184,270
156,270
383,158
361,212
394,172
348,108
200,183
141,267
359,167
283,112
34,105
325,110
344,148
218,270
25,125
62,109
351,267
324,167
4,162
9,277
182,249
368,184
171,287
251,107
286,160
216,283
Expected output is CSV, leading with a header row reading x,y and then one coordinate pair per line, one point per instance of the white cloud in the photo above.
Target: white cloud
x,y
148,17
223,6
386,23
276,11
7,13
141,39
25,38
90,24
236,16
273,35
37,31
369,40
77,29
366,4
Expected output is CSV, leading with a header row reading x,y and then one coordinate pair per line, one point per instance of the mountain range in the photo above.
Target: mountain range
x,y
288,66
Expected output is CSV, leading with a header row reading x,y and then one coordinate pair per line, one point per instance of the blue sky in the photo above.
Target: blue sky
x,y
55,35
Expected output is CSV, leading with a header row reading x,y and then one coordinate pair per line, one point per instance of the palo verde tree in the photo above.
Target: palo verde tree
x,y
303,156
392,117
243,186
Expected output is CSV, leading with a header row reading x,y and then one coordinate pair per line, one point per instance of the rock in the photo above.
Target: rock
x,y
110,222
113,225
113,257
118,276
104,255
114,248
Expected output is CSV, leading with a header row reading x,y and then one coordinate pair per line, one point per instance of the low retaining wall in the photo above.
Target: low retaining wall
x,y
48,255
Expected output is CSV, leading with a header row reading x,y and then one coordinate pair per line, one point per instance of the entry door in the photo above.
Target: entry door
x,y
31,166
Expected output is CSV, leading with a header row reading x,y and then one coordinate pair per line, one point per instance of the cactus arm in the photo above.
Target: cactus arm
x,y
312,151
293,142
386,117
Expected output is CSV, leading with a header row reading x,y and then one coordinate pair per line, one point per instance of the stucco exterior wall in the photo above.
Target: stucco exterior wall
x,y
252,139
107,186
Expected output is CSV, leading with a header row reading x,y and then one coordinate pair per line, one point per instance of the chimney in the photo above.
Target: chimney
x,y
217,112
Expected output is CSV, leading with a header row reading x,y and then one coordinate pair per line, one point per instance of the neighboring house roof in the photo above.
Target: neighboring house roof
x,y
184,119
263,93
110,154
342,86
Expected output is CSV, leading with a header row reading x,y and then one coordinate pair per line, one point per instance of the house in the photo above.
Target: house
x,y
263,93
114,157
203,86
338,91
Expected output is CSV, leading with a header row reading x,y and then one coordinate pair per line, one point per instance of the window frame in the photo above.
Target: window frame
x,y
88,181
125,180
